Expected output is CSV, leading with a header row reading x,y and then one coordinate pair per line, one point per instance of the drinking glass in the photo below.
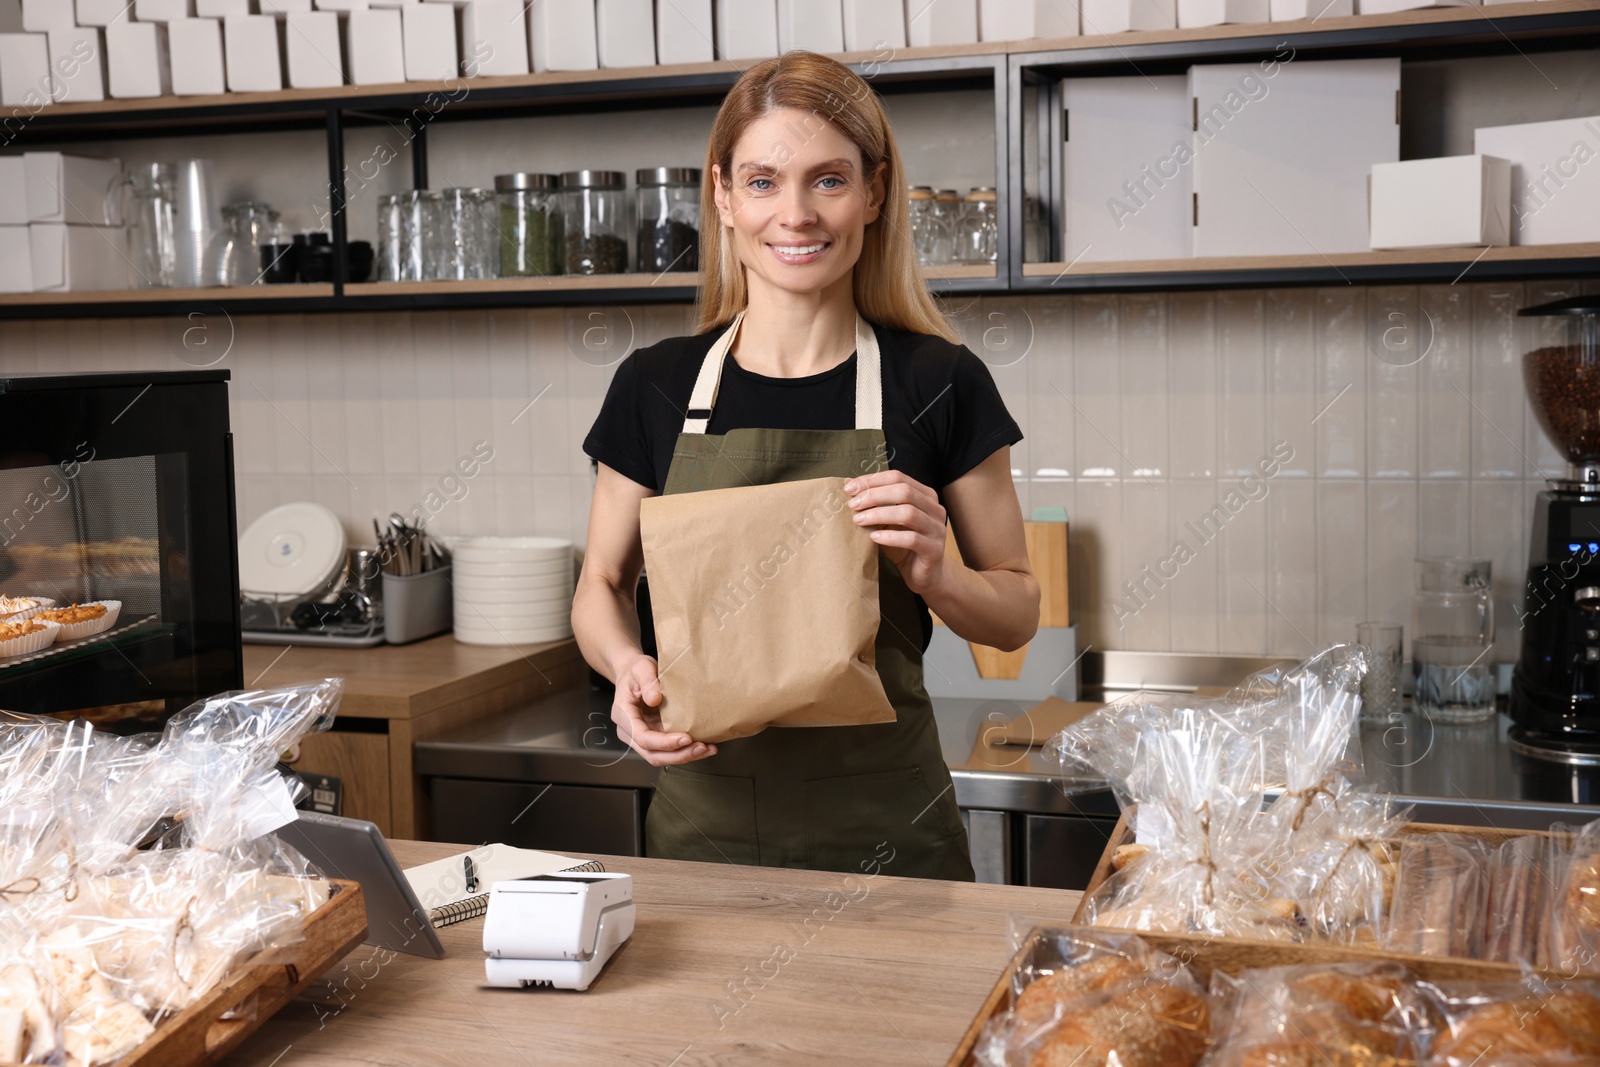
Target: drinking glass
x,y
1452,648
1380,686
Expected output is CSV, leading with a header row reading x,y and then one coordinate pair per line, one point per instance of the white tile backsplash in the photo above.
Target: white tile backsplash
x,y
1141,414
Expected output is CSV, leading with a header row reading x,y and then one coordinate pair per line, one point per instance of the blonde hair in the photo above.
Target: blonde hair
x,y
888,287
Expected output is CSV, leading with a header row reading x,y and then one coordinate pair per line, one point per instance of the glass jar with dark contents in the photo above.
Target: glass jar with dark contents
x,y
530,224
595,208
669,219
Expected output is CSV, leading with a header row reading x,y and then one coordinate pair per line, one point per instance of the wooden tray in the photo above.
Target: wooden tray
x,y
1203,955
201,1035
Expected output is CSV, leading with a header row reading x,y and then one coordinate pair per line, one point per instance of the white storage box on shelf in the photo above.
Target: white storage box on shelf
x,y
1122,16
77,64
1192,14
428,32
1432,203
62,187
815,25
1389,7
16,260
198,68
219,9
280,8
1555,178
943,22
41,16
494,38
13,191
311,40
25,70
376,50
1282,152
748,29
562,36
1020,20
104,12
683,31
80,259
1125,168
625,33
162,10
253,46
343,6
873,25
138,60
1288,10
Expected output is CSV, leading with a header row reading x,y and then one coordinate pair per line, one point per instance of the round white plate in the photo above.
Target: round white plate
x,y
491,595
512,549
505,636
292,550
533,569
539,585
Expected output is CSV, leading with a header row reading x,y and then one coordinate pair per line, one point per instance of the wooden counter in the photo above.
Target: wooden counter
x,y
405,693
893,976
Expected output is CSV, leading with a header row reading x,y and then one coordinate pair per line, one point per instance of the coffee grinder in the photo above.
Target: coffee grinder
x,y
1555,689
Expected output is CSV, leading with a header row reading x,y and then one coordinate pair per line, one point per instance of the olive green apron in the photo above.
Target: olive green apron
x,y
843,798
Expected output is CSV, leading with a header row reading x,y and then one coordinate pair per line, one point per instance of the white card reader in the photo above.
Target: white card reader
x,y
557,929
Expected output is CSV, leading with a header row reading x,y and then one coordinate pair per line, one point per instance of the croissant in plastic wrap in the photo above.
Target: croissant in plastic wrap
x,y
1194,776
135,872
1527,1024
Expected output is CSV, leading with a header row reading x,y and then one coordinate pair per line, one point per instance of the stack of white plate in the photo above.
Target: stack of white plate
x,y
512,590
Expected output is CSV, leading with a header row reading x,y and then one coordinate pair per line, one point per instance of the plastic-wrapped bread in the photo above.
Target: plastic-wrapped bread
x,y
1141,1025
1517,912
1573,914
1439,894
1320,1015
1527,1024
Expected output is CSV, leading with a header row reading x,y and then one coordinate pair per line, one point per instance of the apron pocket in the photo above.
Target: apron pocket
x,y
705,817
856,819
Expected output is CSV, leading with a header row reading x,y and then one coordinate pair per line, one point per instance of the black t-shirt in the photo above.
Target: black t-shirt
x,y
942,414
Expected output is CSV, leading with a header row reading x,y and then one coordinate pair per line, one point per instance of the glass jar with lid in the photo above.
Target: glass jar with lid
x,y
530,222
594,205
919,201
668,201
977,233
946,222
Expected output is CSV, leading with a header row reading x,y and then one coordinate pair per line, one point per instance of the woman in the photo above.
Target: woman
x,y
814,330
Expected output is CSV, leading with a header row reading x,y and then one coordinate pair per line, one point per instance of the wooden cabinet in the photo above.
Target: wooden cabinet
x,y
361,763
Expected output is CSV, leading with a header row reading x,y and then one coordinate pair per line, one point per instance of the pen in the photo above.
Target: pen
x,y
472,876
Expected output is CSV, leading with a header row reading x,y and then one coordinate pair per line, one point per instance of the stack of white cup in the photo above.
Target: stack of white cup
x,y
512,590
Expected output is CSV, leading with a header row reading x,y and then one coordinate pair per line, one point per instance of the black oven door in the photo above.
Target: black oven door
x,y
117,524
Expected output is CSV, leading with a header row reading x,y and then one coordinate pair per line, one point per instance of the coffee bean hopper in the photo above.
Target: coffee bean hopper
x,y
1555,690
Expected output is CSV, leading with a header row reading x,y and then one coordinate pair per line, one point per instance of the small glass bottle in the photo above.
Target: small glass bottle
x,y
668,200
530,225
595,207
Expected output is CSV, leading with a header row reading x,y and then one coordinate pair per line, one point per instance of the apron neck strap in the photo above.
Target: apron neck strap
x,y
869,379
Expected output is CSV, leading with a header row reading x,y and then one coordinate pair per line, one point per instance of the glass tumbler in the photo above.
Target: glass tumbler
x,y
1380,686
1452,647
145,199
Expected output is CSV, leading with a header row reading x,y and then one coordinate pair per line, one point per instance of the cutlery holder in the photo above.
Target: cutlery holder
x,y
416,606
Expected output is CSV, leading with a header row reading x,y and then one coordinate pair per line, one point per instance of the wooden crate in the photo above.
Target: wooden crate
x,y
1204,954
202,1035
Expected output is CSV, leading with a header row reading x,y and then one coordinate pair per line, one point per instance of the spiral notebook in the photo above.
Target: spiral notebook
x,y
457,888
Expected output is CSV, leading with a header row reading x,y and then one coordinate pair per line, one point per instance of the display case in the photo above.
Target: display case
x,y
116,493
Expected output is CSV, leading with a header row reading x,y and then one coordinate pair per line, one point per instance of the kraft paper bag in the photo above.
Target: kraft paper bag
x,y
765,601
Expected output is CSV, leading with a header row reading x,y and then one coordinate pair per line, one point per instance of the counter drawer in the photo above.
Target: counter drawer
x,y
557,818
1061,851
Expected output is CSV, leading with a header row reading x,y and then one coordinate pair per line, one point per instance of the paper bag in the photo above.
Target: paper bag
x,y
765,601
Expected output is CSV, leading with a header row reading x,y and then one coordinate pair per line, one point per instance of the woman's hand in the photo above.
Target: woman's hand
x,y
633,710
907,522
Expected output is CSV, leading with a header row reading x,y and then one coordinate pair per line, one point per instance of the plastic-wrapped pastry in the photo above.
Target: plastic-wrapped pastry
x,y
1516,1025
1439,896
1327,1015
1517,911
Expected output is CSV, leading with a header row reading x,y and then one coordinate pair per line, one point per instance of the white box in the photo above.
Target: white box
x,y
429,34
197,58
376,47
683,31
1193,14
748,29
218,9
69,188
561,35
814,25
1387,7
1020,20
42,16
494,38
344,6
25,70
311,40
1125,168
930,22
162,10
1434,203
16,260
625,33
1555,178
13,191
280,8
78,64
876,25
139,60
1286,10
253,45
103,12
78,258
1122,16
1283,150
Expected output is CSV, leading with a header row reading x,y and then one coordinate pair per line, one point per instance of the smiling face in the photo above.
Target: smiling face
x,y
796,201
